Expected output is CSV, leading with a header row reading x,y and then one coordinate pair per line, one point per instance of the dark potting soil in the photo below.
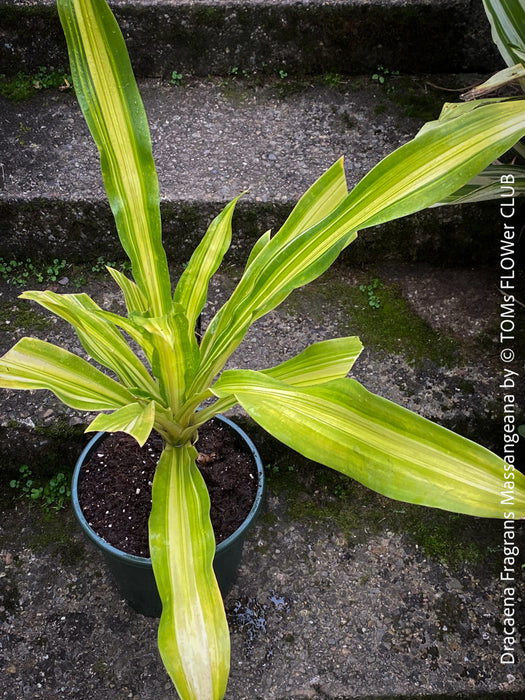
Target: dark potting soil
x,y
114,488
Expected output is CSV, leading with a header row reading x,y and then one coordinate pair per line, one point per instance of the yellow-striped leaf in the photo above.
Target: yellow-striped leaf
x,y
259,245
101,340
487,185
435,163
193,632
136,302
135,419
507,19
175,353
36,364
277,265
319,363
192,288
382,445
108,95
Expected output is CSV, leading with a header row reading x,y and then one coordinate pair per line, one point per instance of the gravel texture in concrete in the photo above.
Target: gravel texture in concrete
x,y
213,140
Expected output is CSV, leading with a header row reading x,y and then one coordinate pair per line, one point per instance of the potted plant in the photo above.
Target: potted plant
x,y
308,401
125,551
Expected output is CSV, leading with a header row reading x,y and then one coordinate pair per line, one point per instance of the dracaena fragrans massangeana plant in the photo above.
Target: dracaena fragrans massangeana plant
x,y
308,401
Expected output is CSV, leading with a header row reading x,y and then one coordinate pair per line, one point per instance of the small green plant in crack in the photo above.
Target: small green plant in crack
x,y
100,265
383,75
54,269
19,272
176,78
283,74
370,289
236,73
52,495
333,79
22,132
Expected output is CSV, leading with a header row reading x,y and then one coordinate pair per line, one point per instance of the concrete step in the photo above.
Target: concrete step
x,y
305,36
214,139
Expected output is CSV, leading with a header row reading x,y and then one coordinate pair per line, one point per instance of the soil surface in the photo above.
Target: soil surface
x,y
115,485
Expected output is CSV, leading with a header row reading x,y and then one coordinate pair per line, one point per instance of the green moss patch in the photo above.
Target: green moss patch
x,y
24,85
23,316
380,316
320,495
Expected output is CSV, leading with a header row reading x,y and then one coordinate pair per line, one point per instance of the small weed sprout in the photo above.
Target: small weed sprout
x,y
333,79
51,495
53,271
370,289
19,272
23,85
176,78
382,75
99,266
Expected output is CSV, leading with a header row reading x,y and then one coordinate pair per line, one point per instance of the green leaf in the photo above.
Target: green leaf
x,y
175,353
259,245
192,288
193,631
452,110
319,363
384,446
101,340
315,204
487,185
277,266
420,173
437,162
35,364
109,98
136,302
507,20
133,326
136,420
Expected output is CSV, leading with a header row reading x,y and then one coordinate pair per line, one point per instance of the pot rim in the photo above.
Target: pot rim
x,y
146,561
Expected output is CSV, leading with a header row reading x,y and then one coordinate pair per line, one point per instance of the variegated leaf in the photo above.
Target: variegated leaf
x,y
382,445
136,302
507,20
487,185
193,632
135,419
36,364
101,340
435,163
108,95
319,363
192,288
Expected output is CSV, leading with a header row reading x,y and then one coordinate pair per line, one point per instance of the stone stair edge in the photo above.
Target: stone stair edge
x,y
210,146
309,36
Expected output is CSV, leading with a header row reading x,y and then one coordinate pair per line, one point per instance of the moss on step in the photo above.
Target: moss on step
x,y
320,495
391,327
23,86
22,316
55,534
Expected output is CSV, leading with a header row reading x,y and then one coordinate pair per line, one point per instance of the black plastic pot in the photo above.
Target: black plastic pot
x,y
134,575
